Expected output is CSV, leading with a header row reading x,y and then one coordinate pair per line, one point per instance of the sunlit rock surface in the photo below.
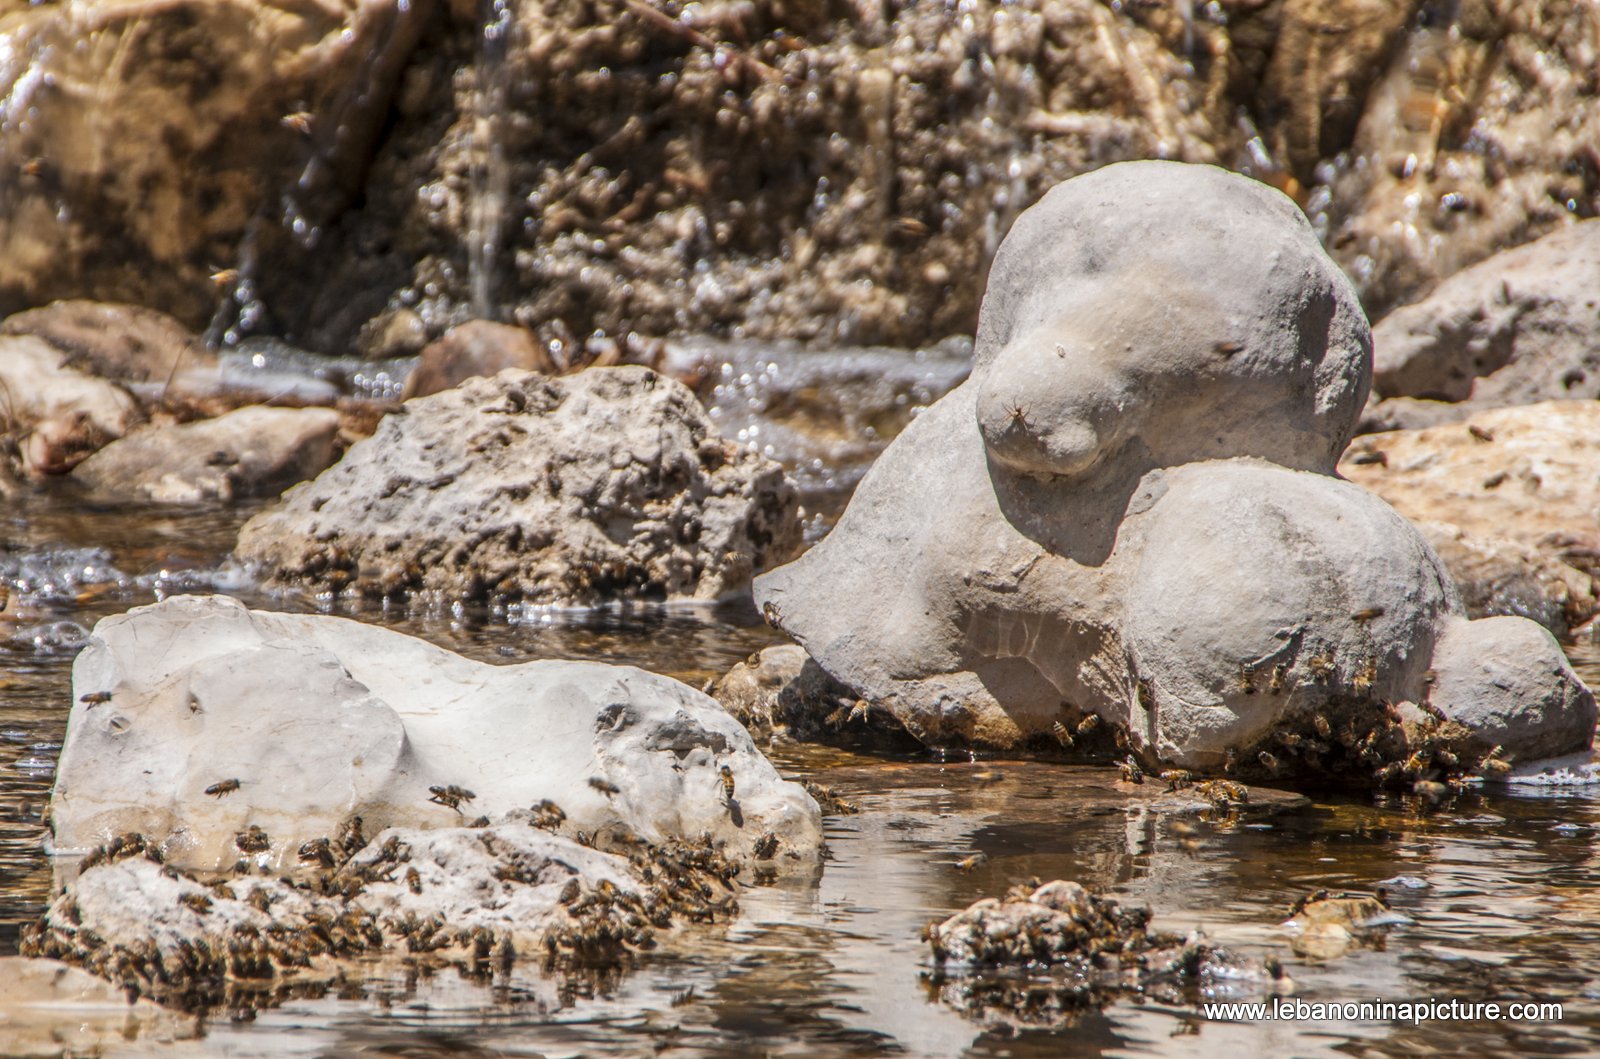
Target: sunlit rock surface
x,y
609,484
298,724
151,145
54,413
1514,481
253,451
1518,328
1129,510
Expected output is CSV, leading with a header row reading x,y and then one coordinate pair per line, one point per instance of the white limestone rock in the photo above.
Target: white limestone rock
x,y
1130,509
520,488
322,719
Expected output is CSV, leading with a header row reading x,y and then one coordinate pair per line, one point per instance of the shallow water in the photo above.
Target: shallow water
x,y
832,965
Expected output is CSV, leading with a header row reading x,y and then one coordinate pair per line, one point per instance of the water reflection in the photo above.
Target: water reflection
x,y
1500,887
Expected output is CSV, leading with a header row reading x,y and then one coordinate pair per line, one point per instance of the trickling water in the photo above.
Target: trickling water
x,y
491,171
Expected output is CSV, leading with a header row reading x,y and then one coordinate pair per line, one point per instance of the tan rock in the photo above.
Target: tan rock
x,y
124,342
57,415
478,347
253,451
49,1009
1510,482
162,133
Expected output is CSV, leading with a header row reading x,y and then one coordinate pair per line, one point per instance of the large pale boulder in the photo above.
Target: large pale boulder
x,y
571,491
1520,327
253,451
1130,509
300,723
127,343
1510,497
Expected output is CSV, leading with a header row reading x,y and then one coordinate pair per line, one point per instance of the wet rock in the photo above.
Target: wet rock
x,y
478,347
480,898
227,735
1325,925
1513,482
1518,328
1498,677
1129,511
140,163
51,1009
250,452
1079,951
52,414
1476,136
125,343
572,491
781,691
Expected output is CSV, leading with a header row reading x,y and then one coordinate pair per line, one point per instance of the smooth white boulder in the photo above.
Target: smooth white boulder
x,y
321,719
1130,510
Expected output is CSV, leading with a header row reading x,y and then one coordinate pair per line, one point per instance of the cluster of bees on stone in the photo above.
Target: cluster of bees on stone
x,y
1354,738
242,964
1099,931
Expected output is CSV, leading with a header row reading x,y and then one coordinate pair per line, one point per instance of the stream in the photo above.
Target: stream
x,y
1499,885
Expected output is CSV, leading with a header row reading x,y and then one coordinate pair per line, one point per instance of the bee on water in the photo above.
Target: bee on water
x,y
222,789
1131,773
450,797
252,840
317,850
725,777
1063,736
1493,764
1176,779
972,863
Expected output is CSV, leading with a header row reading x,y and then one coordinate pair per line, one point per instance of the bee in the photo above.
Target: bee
x,y
318,850
199,902
725,777
299,121
1321,666
452,796
223,788
32,167
836,719
414,880
1230,760
548,815
911,226
224,278
1479,433
260,900
766,846
1388,773
1019,415
1368,614
1291,740
1146,694
1320,723
1270,763
605,787
972,863
252,840
1377,456
1361,683
1228,347
1433,711
1131,773
95,698
1223,794
1275,682
1247,678
860,711
351,838
1063,736
1088,724
1493,764
1417,763
481,821
1177,779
